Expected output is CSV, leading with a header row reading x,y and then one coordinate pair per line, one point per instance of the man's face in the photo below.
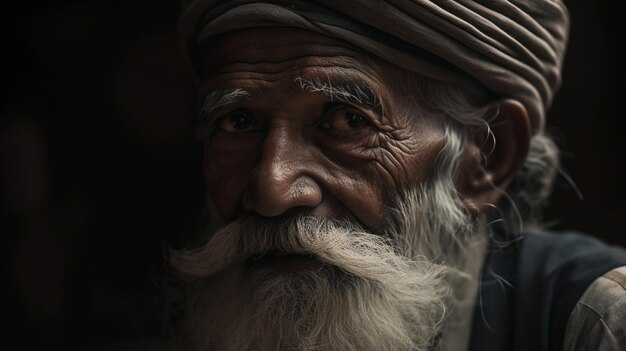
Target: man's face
x,y
297,120
321,160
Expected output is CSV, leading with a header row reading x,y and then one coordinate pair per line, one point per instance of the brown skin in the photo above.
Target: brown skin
x,y
286,148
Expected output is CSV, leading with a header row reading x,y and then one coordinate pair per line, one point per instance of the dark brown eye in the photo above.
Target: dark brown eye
x,y
356,121
238,122
345,122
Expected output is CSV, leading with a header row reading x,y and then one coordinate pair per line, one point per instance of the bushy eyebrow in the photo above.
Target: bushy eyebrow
x,y
350,91
353,91
218,99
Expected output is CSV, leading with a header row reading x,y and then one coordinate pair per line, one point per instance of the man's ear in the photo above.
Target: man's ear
x,y
493,157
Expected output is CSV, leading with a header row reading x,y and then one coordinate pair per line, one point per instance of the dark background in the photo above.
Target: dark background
x,y
99,170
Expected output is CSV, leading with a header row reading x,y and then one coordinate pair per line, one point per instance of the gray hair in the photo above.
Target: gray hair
x,y
469,105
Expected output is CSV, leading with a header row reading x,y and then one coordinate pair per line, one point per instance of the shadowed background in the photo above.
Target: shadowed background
x,y
99,170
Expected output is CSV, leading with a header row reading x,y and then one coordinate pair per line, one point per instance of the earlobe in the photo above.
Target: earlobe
x,y
493,157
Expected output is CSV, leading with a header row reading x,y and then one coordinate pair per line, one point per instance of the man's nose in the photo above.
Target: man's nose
x,y
282,178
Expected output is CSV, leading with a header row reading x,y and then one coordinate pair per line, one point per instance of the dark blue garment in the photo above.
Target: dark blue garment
x,y
529,287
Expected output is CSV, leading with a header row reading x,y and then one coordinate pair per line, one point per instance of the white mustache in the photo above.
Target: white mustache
x,y
334,242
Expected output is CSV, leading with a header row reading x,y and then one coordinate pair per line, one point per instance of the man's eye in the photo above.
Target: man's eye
x,y
345,122
238,122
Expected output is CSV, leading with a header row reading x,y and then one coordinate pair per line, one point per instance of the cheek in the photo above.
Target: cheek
x,y
366,200
410,157
349,177
228,163
399,166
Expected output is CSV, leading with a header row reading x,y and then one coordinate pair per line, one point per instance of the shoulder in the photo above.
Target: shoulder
x,y
570,256
547,274
554,271
598,321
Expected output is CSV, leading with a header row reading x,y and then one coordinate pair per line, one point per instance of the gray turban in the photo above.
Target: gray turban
x,y
514,48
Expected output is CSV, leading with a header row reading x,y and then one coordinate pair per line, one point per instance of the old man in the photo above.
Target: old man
x,y
374,170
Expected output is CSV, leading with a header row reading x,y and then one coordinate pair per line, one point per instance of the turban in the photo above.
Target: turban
x,y
513,48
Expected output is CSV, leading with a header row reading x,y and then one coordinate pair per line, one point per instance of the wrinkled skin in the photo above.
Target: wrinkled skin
x,y
284,148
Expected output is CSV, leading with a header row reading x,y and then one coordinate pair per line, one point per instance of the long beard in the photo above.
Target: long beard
x,y
356,290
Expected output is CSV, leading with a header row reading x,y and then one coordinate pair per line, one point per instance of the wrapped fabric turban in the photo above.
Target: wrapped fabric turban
x,y
514,48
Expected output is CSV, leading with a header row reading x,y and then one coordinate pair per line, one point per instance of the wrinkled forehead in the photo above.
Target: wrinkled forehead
x,y
248,63
265,47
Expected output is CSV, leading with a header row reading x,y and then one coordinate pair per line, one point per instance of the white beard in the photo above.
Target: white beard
x,y
367,292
